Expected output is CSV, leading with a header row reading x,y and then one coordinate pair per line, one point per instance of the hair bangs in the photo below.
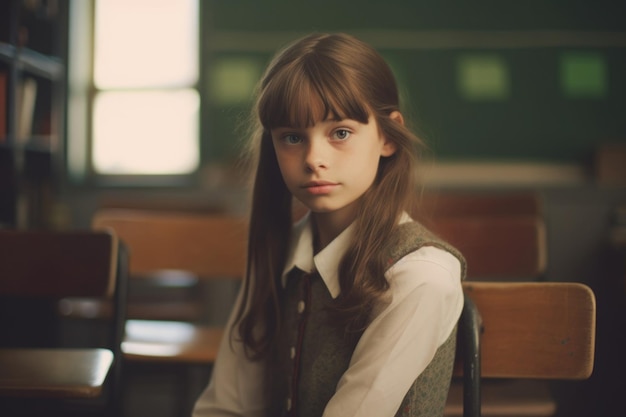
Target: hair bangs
x,y
300,97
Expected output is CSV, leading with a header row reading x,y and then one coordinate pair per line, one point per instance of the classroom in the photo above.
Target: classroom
x,y
123,126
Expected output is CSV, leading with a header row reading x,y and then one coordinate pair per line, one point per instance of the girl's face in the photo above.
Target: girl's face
x,y
331,164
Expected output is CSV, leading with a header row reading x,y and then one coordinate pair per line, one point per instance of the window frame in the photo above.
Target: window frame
x,y
82,93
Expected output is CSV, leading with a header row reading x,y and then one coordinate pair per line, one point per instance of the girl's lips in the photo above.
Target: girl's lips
x,y
321,187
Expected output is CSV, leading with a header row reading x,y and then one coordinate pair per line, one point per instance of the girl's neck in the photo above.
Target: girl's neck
x,y
327,226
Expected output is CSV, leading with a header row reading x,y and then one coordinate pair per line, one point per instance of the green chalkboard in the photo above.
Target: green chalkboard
x,y
510,81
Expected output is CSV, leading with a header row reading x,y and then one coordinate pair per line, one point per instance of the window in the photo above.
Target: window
x,y
146,106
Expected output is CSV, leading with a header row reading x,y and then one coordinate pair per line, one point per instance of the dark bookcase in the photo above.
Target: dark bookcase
x,y
33,39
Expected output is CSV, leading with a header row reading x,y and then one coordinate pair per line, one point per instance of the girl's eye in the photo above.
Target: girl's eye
x,y
292,139
342,134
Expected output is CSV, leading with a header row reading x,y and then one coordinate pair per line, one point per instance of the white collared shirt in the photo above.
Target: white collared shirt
x,y
423,305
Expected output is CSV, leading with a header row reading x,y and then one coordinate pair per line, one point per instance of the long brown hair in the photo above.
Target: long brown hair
x,y
320,76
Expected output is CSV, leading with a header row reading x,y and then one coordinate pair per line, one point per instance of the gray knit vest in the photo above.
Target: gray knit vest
x,y
312,355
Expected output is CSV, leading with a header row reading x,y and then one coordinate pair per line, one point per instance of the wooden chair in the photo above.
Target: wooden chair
x,y
506,248
165,339
522,330
39,268
502,236
207,246
454,203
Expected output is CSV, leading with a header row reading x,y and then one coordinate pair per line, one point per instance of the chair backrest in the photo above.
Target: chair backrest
x,y
41,268
455,203
505,248
501,234
543,330
56,265
207,245
38,269
538,330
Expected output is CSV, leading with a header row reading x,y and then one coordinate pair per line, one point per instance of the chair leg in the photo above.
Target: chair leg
x,y
471,329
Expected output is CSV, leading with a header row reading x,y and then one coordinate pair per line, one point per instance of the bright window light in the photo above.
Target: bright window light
x,y
146,105
144,43
150,132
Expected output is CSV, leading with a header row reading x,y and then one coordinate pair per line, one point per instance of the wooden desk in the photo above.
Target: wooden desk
x,y
53,373
170,341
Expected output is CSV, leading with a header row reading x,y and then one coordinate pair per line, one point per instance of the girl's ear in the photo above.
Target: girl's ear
x,y
397,117
389,147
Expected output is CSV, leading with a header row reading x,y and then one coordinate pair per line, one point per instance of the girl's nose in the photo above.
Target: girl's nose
x,y
315,157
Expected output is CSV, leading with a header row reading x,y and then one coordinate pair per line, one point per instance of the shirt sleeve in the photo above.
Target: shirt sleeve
x,y
235,386
425,303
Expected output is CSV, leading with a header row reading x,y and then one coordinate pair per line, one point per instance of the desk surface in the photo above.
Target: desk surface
x,y
169,341
67,373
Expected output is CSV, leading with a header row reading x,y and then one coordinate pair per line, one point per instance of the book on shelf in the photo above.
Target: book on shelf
x,y
25,105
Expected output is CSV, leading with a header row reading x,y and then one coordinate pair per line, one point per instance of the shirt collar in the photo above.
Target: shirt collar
x,y
326,262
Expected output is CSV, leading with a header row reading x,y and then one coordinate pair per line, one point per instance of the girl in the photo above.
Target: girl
x,y
352,311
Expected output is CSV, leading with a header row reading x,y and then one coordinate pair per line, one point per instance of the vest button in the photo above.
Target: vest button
x,y
292,352
288,404
301,307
